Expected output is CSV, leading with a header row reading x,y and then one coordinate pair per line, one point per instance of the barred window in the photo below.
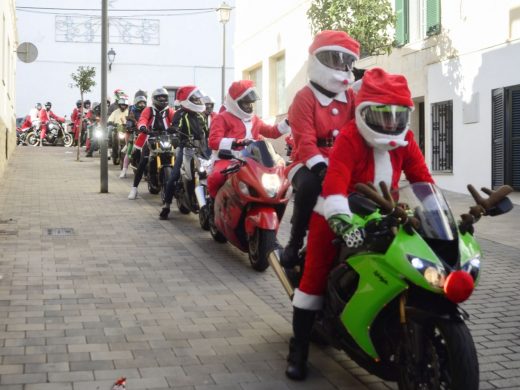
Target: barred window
x,y
442,136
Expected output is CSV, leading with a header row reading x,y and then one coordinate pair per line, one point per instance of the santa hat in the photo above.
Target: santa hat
x,y
334,40
184,93
241,88
384,88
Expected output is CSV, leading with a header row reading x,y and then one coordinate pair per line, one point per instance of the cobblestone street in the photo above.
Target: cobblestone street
x,y
160,302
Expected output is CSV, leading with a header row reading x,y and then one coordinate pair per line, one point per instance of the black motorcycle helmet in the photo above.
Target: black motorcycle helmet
x,y
96,109
78,103
160,98
246,103
86,104
48,106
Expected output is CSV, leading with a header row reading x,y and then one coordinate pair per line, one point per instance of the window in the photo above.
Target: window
x,y
416,20
278,101
255,75
442,136
172,94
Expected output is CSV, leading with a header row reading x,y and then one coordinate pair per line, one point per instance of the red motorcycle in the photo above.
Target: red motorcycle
x,y
250,205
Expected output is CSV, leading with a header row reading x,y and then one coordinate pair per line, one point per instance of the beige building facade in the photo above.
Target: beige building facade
x,y
8,41
461,59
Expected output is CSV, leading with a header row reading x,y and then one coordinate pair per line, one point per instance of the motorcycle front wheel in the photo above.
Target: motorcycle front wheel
x,y
33,140
204,217
68,140
449,358
166,172
261,243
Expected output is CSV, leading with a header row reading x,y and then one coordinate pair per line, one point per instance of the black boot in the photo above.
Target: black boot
x,y
164,213
303,321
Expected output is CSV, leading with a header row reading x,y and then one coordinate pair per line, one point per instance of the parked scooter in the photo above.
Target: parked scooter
x,y
22,134
393,304
160,161
117,136
250,205
191,189
56,134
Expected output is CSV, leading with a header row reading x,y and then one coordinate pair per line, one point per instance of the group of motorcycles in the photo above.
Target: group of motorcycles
x,y
57,134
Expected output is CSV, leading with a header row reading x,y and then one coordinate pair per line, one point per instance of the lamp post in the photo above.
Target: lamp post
x,y
111,56
224,12
103,142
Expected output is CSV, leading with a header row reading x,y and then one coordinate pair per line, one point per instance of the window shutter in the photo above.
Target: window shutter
x,y
497,135
515,138
401,26
433,17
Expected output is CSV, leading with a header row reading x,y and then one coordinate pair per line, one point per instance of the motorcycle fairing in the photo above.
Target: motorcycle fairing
x,y
377,286
261,217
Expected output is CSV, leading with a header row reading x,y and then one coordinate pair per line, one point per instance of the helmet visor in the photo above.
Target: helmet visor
x,y
387,119
336,60
251,97
196,97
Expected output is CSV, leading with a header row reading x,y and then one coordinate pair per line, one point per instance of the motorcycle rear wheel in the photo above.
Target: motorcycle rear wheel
x,y
449,360
260,244
183,209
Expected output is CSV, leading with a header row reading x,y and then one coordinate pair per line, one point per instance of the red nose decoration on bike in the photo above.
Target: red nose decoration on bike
x,y
458,286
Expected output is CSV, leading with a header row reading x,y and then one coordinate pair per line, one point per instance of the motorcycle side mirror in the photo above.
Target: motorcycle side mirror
x,y
225,154
504,206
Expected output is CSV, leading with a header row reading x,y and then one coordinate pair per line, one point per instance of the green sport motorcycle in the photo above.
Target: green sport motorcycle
x,y
392,304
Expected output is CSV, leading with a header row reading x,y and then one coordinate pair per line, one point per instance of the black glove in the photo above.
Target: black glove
x,y
319,169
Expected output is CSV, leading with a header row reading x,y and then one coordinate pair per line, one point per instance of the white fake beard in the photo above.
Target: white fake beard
x,y
378,140
330,79
233,107
188,105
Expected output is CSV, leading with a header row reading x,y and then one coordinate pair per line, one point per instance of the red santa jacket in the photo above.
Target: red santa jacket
x,y
147,119
45,116
315,121
353,161
227,128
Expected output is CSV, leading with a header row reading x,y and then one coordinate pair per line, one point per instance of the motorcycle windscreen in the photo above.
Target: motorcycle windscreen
x,y
263,153
426,202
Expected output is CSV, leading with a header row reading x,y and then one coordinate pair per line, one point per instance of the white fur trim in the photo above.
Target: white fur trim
x,y
232,107
319,207
248,124
332,80
305,301
335,132
336,48
293,171
315,160
189,105
226,143
325,100
382,167
283,127
375,139
335,204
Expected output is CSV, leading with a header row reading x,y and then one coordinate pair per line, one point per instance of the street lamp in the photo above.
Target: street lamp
x,y
111,56
224,12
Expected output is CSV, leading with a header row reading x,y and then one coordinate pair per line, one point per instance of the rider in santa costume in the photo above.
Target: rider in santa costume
x,y
377,146
235,125
316,114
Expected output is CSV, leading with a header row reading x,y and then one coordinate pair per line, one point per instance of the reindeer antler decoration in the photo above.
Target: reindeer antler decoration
x,y
386,201
484,205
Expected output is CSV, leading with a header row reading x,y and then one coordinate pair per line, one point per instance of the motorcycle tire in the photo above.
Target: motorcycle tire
x,y
153,188
261,243
33,140
216,235
183,209
115,156
449,358
68,140
204,217
121,159
166,172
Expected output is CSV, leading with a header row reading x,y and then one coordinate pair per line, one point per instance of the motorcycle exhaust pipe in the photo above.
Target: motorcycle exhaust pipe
x,y
201,196
274,261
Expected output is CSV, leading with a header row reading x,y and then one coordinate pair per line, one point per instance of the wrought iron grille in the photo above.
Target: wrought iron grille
x,y
442,136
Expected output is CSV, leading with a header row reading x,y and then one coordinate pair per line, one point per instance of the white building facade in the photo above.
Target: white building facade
x,y
181,44
461,59
9,43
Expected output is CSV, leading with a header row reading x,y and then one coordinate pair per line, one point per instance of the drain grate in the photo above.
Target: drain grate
x,y
60,232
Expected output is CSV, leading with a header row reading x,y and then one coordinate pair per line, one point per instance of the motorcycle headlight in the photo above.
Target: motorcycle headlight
x,y
271,183
166,144
472,267
98,133
121,135
435,274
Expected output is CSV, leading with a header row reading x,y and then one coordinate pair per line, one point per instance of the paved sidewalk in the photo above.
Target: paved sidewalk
x,y
164,305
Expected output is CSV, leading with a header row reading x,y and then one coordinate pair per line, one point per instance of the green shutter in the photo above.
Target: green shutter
x,y
401,26
433,17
